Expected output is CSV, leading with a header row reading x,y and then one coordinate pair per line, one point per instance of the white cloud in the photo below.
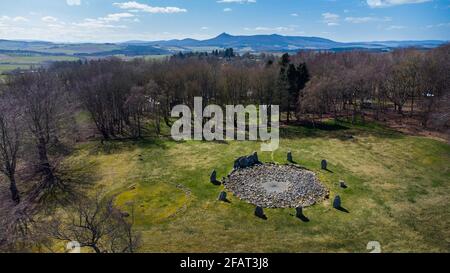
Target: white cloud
x,y
204,28
236,1
227,10
73,2
20,19
107,21
395,27
359,20
49,19
331,19
294,14
96,24
115,17
13,19
136,7
389,3
270,29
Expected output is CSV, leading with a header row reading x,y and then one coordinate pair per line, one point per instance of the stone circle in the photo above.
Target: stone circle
x,y
276,186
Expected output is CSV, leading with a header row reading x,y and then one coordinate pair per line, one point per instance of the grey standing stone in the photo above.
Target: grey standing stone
x,y
246,161
289,156
255,157
213,178
324,164
223,196
259,212
337,202
299,212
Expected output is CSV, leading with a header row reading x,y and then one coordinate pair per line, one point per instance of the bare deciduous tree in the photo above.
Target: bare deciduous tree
x,y
39,96
98,225
10,138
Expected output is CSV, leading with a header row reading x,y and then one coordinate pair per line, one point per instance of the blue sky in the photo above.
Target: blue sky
x,y
116,20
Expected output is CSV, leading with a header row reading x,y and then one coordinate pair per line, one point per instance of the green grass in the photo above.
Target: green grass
x,y
9,67
35,59
398,193
11,62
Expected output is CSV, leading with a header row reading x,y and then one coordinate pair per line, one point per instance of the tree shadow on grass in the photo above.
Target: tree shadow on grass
x,y
125,144
323,126
341,130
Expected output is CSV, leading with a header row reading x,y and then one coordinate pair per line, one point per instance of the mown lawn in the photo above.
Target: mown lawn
x,y
399,192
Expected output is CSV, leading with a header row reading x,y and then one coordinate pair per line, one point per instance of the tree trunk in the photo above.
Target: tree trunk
x,y
96,249
13,187
45,168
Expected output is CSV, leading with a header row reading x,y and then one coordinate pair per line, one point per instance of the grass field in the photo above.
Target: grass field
x,y
399,192
8,62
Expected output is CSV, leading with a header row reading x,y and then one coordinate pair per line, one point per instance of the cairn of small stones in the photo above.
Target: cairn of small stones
x,y
274,186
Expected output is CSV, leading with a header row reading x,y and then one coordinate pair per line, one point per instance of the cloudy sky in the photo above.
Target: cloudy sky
x,y
115,20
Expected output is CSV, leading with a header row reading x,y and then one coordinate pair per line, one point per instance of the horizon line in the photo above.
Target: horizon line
x,y
215,36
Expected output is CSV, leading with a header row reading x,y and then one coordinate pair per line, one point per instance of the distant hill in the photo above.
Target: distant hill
x,y
130,50
241,43
277,42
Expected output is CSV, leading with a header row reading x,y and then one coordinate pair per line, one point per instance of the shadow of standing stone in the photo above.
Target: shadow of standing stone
x,y
259,212
342,184
337,204
223,197
299,214
213,178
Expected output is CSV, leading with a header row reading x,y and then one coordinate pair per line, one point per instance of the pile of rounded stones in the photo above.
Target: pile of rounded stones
x,y
270,185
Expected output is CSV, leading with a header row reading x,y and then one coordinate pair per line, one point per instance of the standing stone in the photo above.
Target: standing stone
x,y
342,184
213,178
299,212
255,157
223,196
246,161
337,202
289,156
324,164
259,212
243,162
236,164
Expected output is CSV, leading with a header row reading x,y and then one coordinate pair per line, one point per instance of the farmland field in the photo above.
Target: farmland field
x,y
11,62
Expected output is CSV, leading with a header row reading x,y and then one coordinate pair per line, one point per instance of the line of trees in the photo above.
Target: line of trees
x,y
353,84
